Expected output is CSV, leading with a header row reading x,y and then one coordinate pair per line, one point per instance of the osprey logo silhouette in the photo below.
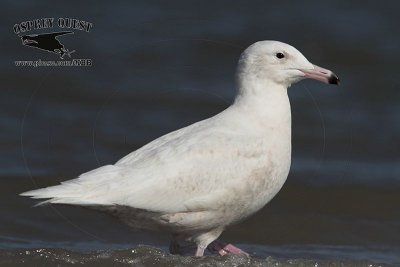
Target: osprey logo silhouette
x,y
48,42
52,35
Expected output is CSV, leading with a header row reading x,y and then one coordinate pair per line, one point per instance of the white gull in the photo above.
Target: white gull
x,y
196,181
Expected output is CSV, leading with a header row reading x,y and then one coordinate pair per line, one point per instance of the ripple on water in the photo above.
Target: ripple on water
x,y
147,256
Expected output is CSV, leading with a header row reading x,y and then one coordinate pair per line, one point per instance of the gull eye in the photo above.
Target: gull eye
x,y
280,55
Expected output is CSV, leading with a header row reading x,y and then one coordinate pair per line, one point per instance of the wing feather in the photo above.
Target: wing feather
x,y
179,172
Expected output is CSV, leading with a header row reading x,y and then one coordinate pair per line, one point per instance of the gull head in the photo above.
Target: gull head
x,y
277,63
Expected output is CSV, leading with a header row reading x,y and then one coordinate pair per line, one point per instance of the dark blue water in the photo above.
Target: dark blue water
x,y
159,66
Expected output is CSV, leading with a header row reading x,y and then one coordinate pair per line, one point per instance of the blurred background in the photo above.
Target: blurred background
x,y
161,65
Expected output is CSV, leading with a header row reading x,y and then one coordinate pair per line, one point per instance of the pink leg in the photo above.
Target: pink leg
x,y
199,251
185,249
174,247
223,248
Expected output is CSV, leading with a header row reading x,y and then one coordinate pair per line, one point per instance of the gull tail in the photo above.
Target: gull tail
x,y
60,194
82,191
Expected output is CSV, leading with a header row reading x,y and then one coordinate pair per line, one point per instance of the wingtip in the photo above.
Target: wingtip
x,y
35,194
25,194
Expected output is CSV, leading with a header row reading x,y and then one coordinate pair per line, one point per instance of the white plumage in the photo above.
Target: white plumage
x,y
196,181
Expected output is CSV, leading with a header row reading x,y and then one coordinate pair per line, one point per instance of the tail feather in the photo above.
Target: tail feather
x,y
63,194
80,191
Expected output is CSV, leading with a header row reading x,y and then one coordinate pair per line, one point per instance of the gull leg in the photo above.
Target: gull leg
x,y
174,247
183,248
199,251
223,248
190,250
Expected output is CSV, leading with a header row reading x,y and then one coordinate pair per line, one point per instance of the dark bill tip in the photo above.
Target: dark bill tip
x,y
334,79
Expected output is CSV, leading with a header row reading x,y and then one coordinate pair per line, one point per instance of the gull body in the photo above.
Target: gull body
x,y
198,180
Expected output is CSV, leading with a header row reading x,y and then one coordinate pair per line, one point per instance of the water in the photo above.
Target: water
x,y
161,66
147,256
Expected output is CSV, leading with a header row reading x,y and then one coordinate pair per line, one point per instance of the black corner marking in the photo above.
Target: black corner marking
x,y
47,42
334,79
